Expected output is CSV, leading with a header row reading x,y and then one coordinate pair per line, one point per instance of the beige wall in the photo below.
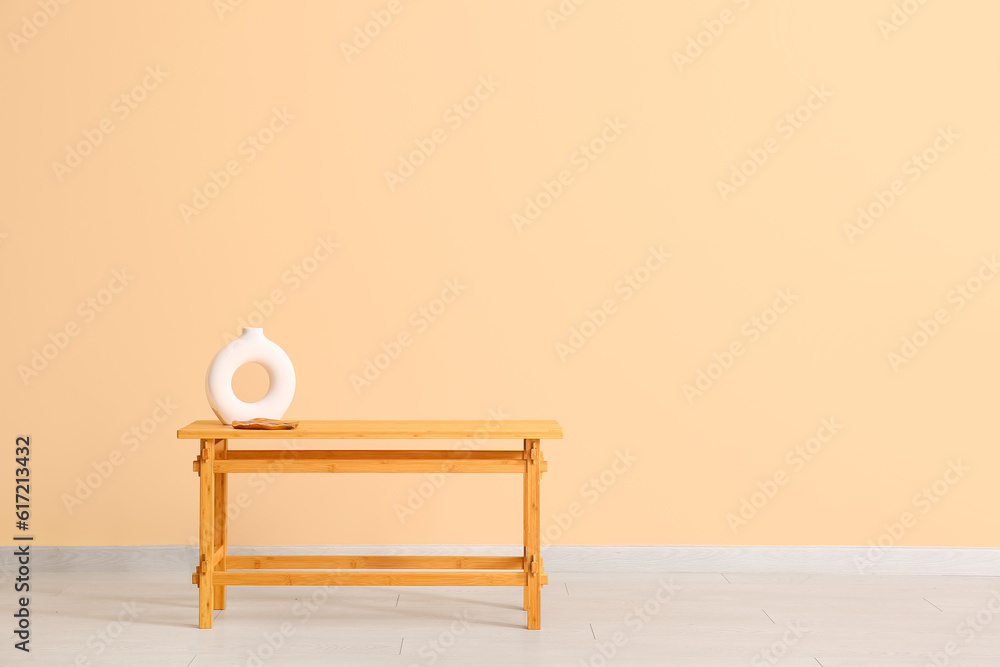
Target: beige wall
x,y
171,275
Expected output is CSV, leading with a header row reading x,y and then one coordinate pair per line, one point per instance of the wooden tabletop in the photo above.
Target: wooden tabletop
x,y
385,429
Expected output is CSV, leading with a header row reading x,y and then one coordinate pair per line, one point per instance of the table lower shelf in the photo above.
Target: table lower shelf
x,y
363,571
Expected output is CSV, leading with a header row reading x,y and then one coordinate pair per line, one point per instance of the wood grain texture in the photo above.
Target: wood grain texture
x,y
525,505
347,454
206,532
352,578
532,550
376,562
381,429
221,524
386,463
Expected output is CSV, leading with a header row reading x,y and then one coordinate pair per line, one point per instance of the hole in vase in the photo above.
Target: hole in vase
x,y
251,382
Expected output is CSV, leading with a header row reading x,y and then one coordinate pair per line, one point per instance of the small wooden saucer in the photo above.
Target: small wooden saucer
x,y
265,424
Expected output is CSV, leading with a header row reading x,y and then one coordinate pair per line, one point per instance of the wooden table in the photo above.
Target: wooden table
x,y
217,569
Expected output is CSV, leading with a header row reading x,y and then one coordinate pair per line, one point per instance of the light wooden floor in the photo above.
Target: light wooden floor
x,y
709,620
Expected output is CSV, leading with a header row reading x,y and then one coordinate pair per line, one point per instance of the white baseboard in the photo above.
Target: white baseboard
x,y
977,561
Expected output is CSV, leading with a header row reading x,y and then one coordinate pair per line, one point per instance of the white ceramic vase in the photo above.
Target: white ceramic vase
x,y
252,346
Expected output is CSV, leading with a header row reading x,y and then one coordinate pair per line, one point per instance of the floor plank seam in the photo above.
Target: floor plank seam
x,y
932,604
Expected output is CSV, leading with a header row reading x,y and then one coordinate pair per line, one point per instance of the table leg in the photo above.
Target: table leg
x,y
221,521
526,504
206,539
532,534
